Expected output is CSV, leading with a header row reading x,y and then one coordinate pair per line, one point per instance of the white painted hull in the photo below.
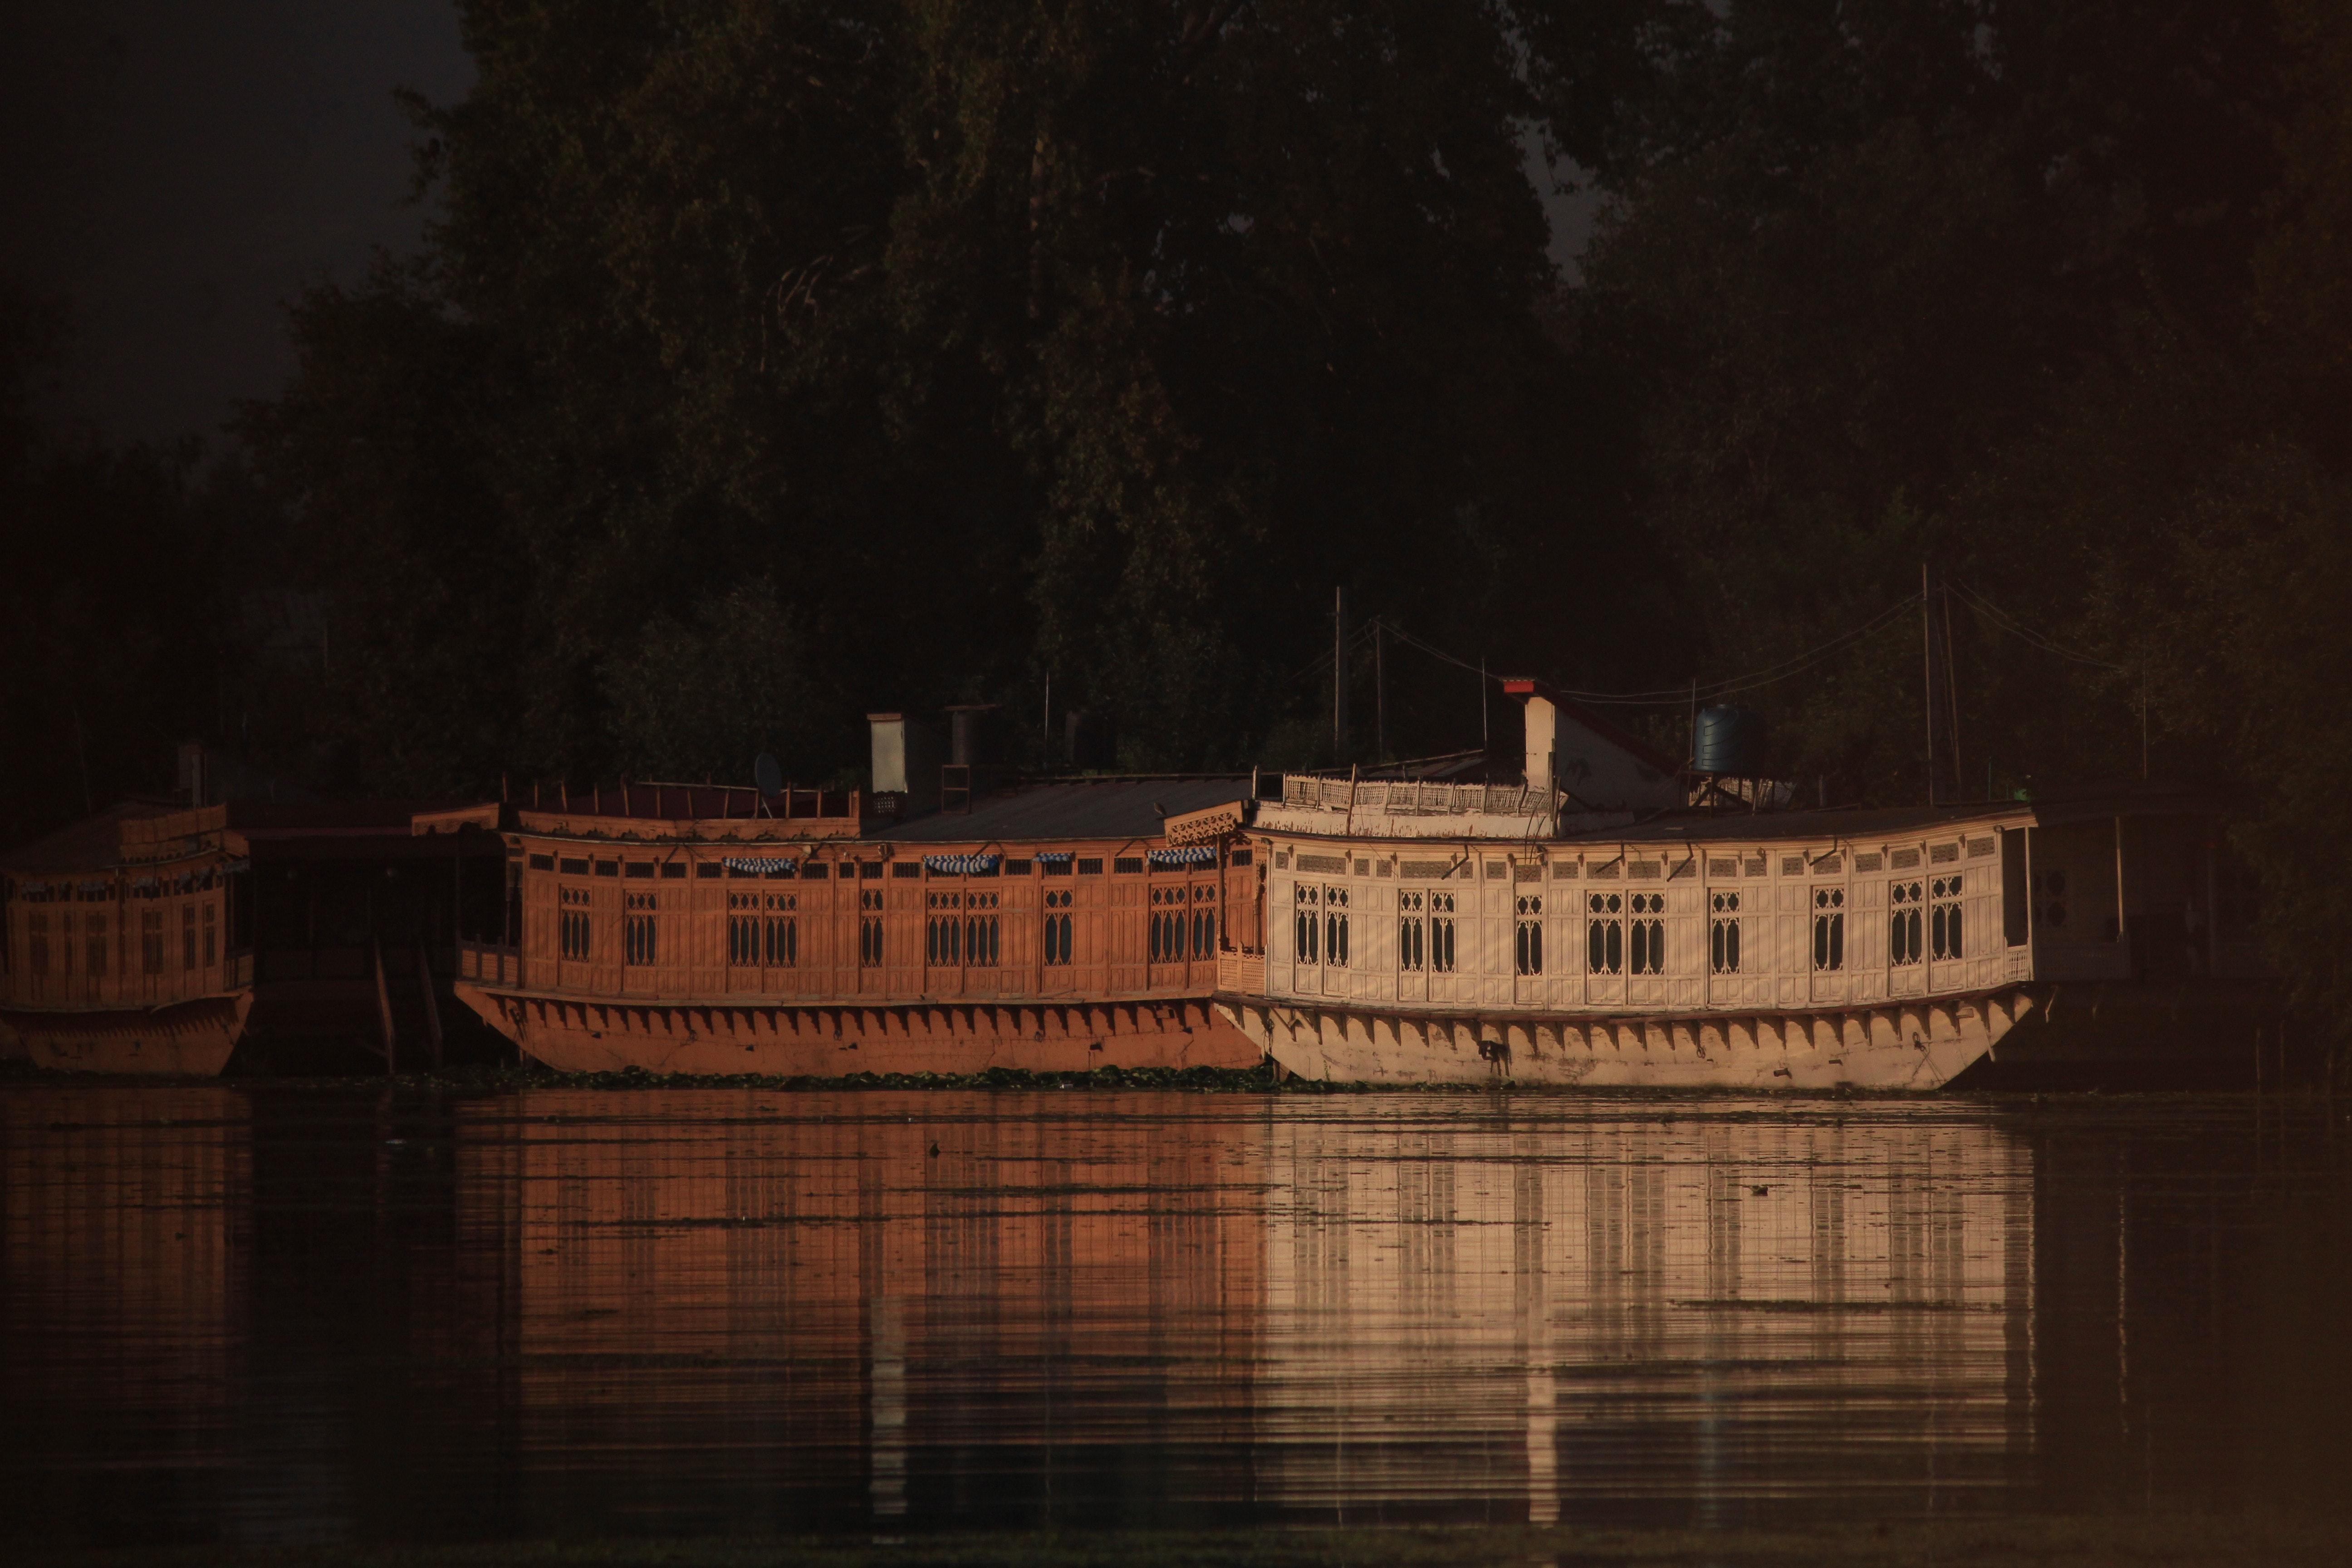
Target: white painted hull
x,y
1910,1046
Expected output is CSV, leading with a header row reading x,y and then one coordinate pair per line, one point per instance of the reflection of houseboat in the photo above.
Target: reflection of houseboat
x,y
155,938
1646,1306
1578,929
1048,926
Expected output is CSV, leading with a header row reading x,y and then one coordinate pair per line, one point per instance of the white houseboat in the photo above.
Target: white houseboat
x,y
1588,927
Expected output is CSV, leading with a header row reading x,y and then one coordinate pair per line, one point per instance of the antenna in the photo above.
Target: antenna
x,y
1338,673
1927,671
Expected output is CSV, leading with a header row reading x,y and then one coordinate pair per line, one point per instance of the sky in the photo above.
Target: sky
x,y
177,170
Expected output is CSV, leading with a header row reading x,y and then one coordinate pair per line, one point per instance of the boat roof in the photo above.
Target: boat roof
x,y
94,844
1071,808
1837,822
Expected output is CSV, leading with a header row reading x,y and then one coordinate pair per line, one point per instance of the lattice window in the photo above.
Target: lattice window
x,y
1411,931
1980,849
869,926
1722,865
1793,865
1943,854
93,956
211,928
1723,932
1335,927
1648,933
639,931
187,936
1904,943
1057,928
1529,947
1829,928
1903,859
2050,898
1944,917
1605,933
1176,927
1609,873
1870,861
1204,921
1440,933
1307,923
1755,866
572,922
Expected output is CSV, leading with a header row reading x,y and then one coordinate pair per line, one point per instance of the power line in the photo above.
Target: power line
x,y
2016,628
1748,680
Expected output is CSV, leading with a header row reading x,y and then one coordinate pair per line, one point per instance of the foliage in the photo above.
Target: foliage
x,y
690,702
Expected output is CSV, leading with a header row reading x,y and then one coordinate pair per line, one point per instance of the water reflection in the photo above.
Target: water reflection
x,y
257,1313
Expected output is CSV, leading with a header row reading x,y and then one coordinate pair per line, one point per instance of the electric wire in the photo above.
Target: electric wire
x,y
2016,628
1748,680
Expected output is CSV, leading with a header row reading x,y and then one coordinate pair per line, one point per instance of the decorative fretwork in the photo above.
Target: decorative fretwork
x,y
1829,928
1904,923
1649,934
1723,932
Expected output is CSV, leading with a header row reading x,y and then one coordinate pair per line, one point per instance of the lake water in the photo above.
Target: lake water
x,y
262,1313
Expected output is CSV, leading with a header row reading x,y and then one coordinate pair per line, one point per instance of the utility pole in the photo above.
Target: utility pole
x,y
1927,671
1952,697
1339,674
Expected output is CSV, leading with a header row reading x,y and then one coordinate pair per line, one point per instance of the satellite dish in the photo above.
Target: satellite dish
x,y
768,773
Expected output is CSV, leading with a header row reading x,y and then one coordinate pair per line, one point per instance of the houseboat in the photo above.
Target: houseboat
x,y
160,936
1587,926
1043,925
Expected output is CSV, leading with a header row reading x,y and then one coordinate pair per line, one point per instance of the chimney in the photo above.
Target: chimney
x,y
192,771
1543,738
906,759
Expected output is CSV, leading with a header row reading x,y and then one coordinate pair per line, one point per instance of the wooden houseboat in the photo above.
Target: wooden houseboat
x,y
1045,926
158,938
1576,928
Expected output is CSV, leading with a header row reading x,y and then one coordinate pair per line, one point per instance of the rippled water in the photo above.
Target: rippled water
x,y
263,1313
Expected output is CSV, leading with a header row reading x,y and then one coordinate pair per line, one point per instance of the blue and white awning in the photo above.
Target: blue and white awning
x,y
960,865
1186,855
761,865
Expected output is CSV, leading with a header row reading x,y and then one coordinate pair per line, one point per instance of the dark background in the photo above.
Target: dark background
x,y
661,384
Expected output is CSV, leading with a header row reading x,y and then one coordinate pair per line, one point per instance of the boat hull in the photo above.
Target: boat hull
x,y
1911,1046
191,1038
573,1034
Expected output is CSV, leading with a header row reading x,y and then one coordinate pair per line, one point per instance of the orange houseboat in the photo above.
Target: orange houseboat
x,y
1048,926
159,938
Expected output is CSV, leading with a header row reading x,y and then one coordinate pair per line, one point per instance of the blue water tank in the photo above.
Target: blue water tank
x,y
1730,741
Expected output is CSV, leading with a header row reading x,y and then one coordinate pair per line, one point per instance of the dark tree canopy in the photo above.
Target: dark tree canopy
x,y
767,361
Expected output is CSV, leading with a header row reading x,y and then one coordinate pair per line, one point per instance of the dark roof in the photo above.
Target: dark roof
x,y
1096,808
1849,822
94,844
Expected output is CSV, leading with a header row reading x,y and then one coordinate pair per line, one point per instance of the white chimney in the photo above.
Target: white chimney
x,y
906,758
1543,739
